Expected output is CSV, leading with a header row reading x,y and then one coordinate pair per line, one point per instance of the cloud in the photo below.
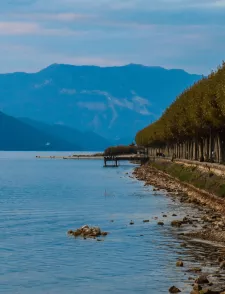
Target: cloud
x,y
49,17
93,106
32,28
68,91
18,28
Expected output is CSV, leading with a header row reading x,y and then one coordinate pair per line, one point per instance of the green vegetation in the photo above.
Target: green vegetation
x,y
193,127
191,175
121,150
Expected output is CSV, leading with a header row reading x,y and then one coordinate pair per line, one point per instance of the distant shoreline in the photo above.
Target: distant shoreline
x,y
72,157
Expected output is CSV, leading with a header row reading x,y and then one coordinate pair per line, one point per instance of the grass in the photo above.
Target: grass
x,y
207,181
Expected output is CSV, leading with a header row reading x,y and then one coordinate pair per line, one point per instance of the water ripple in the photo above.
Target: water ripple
x,y
41,199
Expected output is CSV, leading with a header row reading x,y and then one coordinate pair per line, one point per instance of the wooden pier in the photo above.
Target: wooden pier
x,y
113,160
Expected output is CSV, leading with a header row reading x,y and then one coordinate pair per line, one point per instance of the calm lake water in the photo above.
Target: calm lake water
x,y
41,200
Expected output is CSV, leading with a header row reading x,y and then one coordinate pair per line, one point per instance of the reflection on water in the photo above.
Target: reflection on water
x,y
41,199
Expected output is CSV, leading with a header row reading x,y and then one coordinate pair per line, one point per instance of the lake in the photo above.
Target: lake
x,y
41,199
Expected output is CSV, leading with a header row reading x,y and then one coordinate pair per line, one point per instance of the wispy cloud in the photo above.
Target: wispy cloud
x,y
18,28
49,17
32,28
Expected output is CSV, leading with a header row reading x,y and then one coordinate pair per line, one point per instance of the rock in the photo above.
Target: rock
x,y
78,232
84,227
164,215
197,287
222,265
104,233
183,245
202,280
195,270
208,291
96,231
179,263
174,289
87,232
161,223
176,223
174,214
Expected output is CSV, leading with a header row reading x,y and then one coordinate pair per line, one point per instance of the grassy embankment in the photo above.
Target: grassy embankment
x,y
207,181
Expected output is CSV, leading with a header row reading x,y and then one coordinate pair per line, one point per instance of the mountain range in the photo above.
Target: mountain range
x,y
87,107
24,134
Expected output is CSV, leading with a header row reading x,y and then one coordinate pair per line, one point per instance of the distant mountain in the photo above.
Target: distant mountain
x,y
88,141
114,102
19,136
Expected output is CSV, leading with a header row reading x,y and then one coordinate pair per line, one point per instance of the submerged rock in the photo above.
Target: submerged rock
x,y
174,289
179,263
87,232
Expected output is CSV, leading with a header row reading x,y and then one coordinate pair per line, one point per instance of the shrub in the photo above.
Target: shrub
x,y
121,150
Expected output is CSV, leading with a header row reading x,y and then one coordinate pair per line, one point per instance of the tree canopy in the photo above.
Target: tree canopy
x,y
197,111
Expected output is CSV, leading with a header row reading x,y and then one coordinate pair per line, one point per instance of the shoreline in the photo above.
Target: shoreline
x,y
72,157
203,227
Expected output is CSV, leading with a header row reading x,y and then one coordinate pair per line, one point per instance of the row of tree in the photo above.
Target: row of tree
x,y
193,127
121,150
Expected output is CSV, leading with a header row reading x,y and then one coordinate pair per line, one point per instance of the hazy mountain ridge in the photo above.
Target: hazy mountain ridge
x,y
18,136
114,102
87,141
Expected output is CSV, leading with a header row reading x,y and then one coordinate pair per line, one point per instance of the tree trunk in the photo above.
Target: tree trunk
x,y
220,159
201,145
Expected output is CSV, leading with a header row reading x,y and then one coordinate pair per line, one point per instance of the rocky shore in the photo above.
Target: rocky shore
x,y
202,229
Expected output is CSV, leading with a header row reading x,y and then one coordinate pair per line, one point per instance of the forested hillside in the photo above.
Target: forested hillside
x,y
193,127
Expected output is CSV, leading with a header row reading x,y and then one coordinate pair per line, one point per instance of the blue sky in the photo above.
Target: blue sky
x,y
187,34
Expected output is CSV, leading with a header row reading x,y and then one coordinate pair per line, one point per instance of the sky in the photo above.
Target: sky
x,y
185,34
